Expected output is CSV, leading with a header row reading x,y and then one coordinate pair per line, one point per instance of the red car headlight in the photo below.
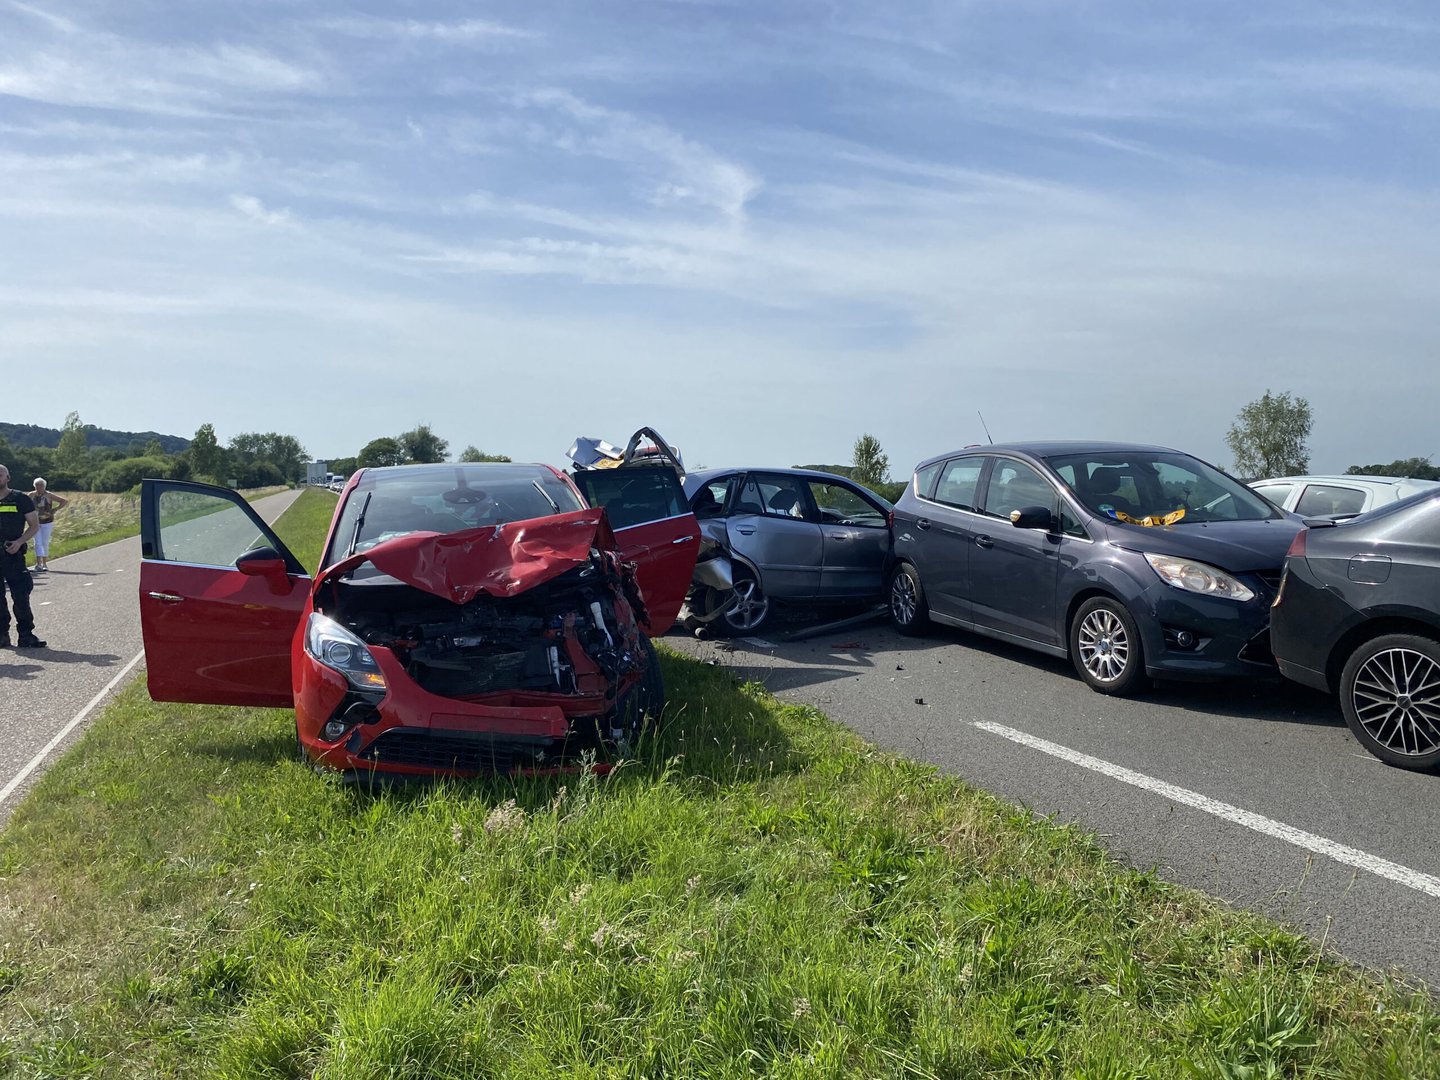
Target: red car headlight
x,y
329,643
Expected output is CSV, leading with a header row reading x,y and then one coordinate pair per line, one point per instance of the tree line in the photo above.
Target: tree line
x,y
419,445
1269,438
249,460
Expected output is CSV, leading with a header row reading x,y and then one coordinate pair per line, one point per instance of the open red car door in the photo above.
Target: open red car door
x,y
220,598
654,528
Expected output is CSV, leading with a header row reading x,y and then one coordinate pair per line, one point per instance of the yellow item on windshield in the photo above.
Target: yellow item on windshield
x,y
1151,521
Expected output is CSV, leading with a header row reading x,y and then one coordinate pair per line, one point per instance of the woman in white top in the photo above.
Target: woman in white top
x,y
46,503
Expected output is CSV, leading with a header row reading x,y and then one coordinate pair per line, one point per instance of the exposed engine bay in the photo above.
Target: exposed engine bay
x,y
576,634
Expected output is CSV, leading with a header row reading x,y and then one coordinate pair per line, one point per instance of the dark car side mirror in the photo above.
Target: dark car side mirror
x,y
1032,517
268,563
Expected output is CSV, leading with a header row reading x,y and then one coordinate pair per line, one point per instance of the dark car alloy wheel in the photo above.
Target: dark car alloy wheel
x,y
1105,646
908,611
752,606
1390,692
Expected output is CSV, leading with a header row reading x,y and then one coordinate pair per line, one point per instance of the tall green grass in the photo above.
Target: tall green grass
x,y
303,525
759,893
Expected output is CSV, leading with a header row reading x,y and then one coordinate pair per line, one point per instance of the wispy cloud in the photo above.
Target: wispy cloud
x,y
463,32
49,18
82,67
255,210
678,170
1404,86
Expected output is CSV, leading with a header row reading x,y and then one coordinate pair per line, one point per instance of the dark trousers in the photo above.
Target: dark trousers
x,y
15,578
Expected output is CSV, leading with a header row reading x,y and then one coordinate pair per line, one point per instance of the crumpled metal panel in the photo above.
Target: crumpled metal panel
x,y
645,446
500,560
588,452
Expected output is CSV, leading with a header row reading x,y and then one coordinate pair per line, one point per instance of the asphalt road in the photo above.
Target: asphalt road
x,y
1255,793
87,608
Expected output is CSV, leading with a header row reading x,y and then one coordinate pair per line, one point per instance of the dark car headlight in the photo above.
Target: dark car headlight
x,y
329,643
1198,577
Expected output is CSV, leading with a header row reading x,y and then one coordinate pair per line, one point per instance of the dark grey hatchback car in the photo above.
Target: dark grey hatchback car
x,y
1131,560
1358,614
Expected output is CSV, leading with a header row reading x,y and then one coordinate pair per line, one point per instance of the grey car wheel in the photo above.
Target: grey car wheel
x,y
1105,647
1390,694
909,613
752,607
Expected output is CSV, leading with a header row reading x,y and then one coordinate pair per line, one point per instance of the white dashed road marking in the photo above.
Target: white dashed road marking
x,y
1403,875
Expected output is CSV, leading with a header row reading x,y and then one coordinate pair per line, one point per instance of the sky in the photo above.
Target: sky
x,y
763,228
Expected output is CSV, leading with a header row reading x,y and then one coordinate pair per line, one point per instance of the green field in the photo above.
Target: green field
x,y
761,893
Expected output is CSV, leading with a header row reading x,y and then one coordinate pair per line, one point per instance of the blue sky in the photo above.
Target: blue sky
x,y
763,228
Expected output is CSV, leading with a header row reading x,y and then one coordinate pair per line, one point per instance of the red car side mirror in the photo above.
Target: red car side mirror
x,y
268,563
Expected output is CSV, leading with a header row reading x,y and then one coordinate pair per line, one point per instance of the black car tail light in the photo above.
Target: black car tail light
x,y
1297,546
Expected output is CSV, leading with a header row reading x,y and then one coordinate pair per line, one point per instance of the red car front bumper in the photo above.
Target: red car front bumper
x,y
412,732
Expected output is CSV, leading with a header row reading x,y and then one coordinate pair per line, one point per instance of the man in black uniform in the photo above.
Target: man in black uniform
x,y
18,522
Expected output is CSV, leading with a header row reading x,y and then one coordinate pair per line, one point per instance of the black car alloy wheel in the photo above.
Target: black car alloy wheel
x,y
1390,694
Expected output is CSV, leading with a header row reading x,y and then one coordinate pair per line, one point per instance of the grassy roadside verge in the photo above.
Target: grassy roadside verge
x,y
92,519
762,893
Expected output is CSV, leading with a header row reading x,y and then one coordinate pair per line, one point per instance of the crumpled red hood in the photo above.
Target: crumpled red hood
x,y
501,560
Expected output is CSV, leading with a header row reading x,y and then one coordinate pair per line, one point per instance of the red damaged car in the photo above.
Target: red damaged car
x,y
468,619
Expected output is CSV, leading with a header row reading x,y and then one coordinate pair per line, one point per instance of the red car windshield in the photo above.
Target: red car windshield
x,y
388,503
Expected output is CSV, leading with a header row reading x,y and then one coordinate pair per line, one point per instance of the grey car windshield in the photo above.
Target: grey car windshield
x,y
446,499
1142,485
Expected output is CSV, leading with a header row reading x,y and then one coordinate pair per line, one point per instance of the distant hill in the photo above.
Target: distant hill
x,y
32,435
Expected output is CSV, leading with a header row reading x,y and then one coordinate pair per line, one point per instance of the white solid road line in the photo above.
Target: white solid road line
x,y
79,717
1373,864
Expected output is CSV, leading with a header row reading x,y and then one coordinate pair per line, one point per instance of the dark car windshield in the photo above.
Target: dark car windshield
x,y
445,499
1156,485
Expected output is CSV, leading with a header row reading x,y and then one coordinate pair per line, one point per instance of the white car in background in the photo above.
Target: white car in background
x,y
1339,496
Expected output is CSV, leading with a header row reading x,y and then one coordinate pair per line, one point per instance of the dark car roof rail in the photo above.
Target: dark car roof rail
x,y
1054,447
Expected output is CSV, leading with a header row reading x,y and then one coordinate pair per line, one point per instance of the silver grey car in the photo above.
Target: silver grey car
x,y
794,536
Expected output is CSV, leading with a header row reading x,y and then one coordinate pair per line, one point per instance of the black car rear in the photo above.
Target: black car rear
x,y
1358,614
